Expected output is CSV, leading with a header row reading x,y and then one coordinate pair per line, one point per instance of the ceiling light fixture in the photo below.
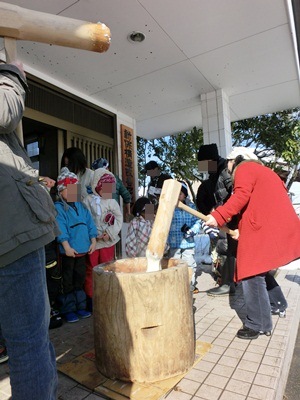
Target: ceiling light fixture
x,y
136,37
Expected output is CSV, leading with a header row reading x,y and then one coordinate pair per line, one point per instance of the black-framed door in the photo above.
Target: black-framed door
x,y
41,143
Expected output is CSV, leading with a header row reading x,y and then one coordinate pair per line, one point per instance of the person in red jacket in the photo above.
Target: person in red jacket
x,y
269,236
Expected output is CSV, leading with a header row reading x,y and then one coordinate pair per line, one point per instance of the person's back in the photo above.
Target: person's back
x,y
265,242
270,214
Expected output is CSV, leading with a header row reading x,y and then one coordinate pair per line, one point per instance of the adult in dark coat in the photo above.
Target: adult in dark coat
x,y
157,178
269,237
213,192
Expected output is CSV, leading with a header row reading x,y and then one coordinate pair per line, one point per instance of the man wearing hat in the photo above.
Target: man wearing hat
x,y
215,191
157,179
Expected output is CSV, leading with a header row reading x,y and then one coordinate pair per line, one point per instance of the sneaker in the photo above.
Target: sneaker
x,y
250,334
281,314
223,290
55,322
71,317
83,314
3,354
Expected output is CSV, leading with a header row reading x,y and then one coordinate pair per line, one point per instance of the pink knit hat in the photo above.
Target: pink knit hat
x,y
105,178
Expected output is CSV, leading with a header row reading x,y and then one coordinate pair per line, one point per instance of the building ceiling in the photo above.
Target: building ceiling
x,y
193,47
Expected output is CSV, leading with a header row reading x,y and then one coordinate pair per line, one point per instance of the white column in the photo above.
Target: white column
x,y
216,120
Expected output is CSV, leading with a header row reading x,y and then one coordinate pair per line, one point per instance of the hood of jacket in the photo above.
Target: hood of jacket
x,y
97,175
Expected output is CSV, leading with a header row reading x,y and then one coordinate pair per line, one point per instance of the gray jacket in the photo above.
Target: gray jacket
x,y
27,213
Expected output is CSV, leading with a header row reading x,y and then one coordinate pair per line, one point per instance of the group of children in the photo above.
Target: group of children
x,y
89,232
90,228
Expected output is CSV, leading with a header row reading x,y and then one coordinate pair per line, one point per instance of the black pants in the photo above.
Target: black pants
x,y
73,273
227,272
276,297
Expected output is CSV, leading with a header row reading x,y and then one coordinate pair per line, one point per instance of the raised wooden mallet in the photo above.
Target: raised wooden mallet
x,y
168,201
17,23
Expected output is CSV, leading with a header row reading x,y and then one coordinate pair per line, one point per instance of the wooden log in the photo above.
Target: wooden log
x,y
24,24
143,322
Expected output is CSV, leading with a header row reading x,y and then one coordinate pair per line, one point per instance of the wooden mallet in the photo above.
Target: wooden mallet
x,y
24,24
168,201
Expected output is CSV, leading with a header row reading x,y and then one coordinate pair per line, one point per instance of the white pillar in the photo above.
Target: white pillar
x,y
216,120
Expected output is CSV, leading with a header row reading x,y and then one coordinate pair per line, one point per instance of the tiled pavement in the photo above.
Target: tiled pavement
x,y
233,369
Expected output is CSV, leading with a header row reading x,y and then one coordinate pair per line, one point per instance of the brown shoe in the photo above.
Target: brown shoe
x,y
195,291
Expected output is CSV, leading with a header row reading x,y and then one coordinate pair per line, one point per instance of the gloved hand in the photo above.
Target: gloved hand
x,y
185,228
188,233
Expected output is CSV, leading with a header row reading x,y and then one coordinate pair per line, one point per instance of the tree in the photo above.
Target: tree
x,y
177,155
276,138
142,153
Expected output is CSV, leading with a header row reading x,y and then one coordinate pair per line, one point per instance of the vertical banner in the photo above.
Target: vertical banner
x,y
127,146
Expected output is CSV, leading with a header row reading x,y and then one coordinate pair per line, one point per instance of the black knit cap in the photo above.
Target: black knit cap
x,y
184,188
139,205
149,166
208,152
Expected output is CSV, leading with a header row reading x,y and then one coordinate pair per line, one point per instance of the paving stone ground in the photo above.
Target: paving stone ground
x,y
234,369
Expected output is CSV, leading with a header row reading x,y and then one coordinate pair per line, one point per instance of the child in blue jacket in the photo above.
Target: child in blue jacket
x,y
184,227
77,239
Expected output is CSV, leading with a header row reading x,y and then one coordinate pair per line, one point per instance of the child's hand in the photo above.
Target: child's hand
x,y
104,236
92,246
70,252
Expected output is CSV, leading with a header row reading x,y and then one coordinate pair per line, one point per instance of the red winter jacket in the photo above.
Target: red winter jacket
x,y
269,227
